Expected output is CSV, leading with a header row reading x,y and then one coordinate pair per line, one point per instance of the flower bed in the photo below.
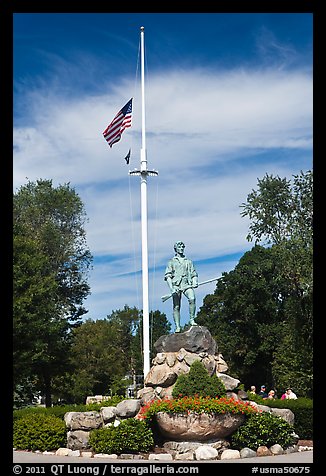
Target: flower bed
x,y
197,418
197,404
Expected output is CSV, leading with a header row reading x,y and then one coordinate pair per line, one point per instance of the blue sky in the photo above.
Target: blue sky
x,y
228,99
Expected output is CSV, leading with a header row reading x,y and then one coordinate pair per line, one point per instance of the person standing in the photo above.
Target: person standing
x,y
289,395
262,393
181,277
271,395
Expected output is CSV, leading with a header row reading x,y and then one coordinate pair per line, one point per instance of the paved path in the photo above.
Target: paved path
x,y
302,457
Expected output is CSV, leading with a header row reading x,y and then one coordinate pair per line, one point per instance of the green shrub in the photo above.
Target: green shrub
x,y
39,431
254,397
301,407
303,417
198,382
263,429
102,440
61,410
131,436
22,412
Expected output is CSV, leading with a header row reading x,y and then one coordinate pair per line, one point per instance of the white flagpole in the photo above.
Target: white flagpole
x,y
144,172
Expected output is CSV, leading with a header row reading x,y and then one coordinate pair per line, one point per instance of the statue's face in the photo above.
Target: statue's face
x,y
179,247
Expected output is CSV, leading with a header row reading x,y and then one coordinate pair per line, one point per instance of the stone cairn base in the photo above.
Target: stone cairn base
x,y
174,355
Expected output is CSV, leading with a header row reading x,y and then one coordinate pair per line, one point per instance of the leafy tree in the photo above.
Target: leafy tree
x,y
244,315
261,312
51,262
24,393
96,359
281,213
126,322
158,325
104,351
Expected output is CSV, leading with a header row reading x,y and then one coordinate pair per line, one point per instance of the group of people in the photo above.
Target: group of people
x,y
288,394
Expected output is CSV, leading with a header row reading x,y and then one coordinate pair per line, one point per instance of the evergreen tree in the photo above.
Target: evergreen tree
x,y
51,261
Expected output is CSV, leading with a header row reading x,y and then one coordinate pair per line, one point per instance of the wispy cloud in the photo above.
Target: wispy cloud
x,y
274,51
212,117
210,134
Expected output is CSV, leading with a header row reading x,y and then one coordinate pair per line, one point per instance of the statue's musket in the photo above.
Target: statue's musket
x,y
167,296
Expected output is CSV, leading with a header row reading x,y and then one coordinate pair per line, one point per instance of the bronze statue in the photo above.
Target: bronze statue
x,y
182,278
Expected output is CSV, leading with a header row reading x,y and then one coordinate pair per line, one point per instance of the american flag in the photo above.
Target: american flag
x,y
122,120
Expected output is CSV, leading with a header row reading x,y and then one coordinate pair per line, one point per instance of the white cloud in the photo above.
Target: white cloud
x,y
190,116
207,133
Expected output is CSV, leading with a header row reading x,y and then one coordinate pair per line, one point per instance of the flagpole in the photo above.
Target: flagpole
x,y
144,172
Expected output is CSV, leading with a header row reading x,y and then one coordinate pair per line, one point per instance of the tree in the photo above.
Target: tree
x,y
50,271
105,351
261,312
158,326
96,359
245,315
281,213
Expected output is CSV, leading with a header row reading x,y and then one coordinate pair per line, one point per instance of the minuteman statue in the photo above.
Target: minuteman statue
x,y
182,278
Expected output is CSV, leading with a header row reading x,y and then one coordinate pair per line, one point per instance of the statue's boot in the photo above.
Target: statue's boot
x,y
192,311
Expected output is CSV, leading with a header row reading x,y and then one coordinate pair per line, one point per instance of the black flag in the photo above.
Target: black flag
x,y
128,157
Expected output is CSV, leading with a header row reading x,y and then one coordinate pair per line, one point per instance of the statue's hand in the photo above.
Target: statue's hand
x,y
195,284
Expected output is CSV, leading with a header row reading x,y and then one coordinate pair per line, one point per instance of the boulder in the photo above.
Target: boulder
x,y
161,375
264,408
196,339
206,452
83,420
108,413
221,365
276,449
284,413
160,457
78,440
160,358
180,368
209,364
146,394
230,454
188,456
166,393
190,446
128,408
181,446
197,427
230,382
63,452
247,453
264,451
